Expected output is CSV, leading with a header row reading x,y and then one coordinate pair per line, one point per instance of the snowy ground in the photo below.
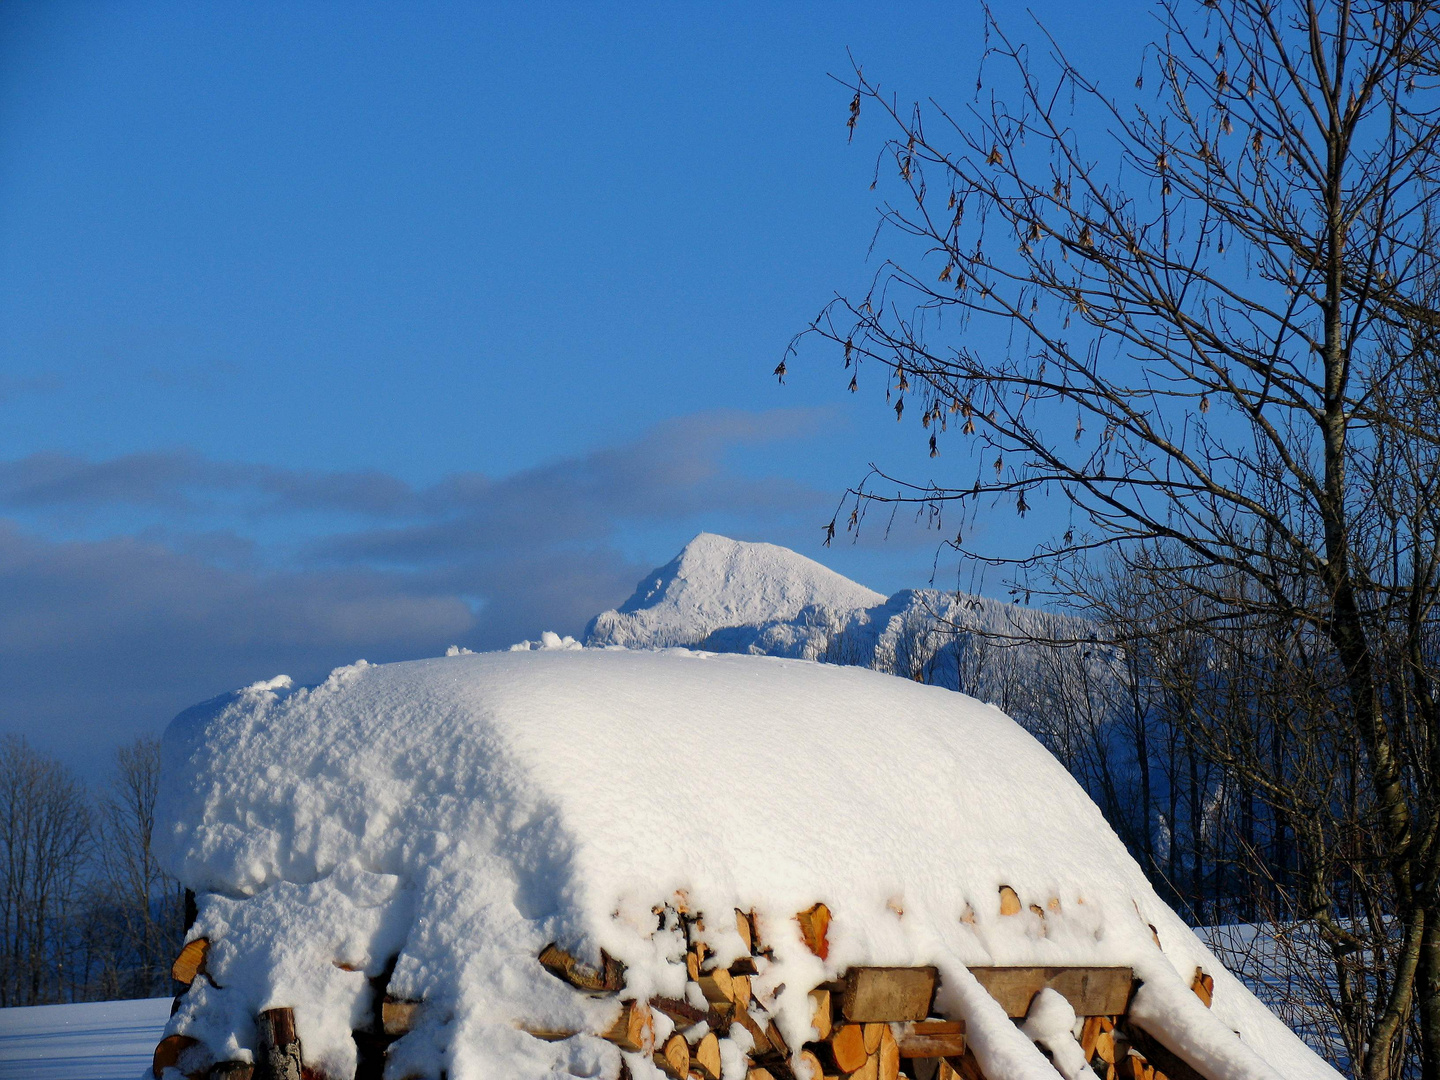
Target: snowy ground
x,y
103,1040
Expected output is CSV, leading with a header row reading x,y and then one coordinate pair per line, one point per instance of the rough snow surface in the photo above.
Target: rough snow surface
x,y
717,582
98,1040
464,811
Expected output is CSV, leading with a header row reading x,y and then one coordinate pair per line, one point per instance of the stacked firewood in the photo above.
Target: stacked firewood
x,y
874,1023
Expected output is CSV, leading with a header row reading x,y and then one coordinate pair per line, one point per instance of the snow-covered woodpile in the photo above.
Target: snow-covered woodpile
x,y
605,863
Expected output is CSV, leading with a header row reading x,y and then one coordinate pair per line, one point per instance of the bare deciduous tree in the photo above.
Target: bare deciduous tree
x,y
1215,337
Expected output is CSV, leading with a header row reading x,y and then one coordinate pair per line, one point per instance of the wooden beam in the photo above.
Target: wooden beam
x,y
1091,991
932,1039
887,994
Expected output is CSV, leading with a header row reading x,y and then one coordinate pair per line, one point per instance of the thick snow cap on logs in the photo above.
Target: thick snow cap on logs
x,y
453,817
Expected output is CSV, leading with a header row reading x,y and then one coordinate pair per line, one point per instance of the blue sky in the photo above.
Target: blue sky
x,y
339,330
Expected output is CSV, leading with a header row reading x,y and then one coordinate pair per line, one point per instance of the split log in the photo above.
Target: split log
x,y
762,1047
1091,991
1090,1033
673,1059
964,1067
191,961
889,1054
932,1039
397,1018
168,1051
535,1031
682,1012
870,1070
887,994
923,1068
609,978
1009,901
718,987
777,1041
741,984
814,925
1159,1055
810,1063
872,1036
1204,987
634,1028
820,1015
706,1056
745,926
744,966
848,1047
277,1054
231,1070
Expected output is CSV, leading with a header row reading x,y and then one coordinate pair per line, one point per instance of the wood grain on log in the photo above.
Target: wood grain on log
x,y
820,1015
706,1056
848,1046
889,1054
278,1054
814,926
191,961
397,1018
608,978
1204,987
673,1058
633,1029
1091,991
168,1051
887,994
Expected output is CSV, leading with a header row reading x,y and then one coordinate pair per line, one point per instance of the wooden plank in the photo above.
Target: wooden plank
x,y
932,1039
1091,991
609,978
814,926
887,994
191,961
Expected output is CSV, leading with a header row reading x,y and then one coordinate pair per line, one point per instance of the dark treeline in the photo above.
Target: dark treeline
x,y
88,914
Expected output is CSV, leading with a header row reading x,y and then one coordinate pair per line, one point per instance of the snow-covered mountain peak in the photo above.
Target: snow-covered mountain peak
x,y
716,582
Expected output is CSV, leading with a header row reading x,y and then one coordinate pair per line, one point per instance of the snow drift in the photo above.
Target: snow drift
x,y
461,813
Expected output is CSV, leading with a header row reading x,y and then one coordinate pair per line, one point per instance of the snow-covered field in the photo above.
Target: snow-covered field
x,y
103,1040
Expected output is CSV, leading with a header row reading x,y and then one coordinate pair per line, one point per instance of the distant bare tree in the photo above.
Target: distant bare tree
x,y
1216,338
44,842
137,909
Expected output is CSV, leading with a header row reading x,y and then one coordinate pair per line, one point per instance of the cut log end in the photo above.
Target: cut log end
x,y
673,1059
168,1051
1009,901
